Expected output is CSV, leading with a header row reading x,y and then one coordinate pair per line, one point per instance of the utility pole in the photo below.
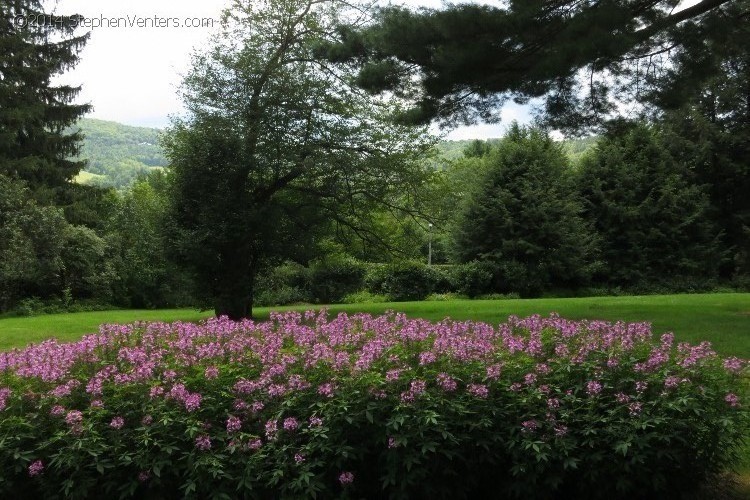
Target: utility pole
x,y
429,244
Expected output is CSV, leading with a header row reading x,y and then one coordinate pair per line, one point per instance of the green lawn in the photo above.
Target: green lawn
x,y
724,319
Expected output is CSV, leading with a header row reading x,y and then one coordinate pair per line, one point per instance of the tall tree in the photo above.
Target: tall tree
x,y
653,223
524,218
34,113
711,136
462,62
277,146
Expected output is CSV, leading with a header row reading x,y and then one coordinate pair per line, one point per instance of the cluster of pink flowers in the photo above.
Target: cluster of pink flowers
x,y
298,353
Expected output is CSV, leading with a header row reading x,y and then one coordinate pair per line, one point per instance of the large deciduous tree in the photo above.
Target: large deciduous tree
x,y
35,46
462,62
277,146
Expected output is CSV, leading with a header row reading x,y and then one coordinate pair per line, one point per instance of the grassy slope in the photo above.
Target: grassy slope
x,y
724,319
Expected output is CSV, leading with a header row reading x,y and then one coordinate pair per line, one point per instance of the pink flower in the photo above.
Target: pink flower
x,y
117,422
446,382
57,410
255,444
392,375
553,403
74,417
392,442
733,365
316,421
36,468
425,358
234,424
478,390
299,458
493,371
561,430
529,426
144,476
4,395
635,408
211,372
326,390
346,478
593,388
290,424
147,420
732,400
192,402
272,426
203,442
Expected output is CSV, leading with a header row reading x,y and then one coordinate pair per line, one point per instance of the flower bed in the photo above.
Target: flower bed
x,y
373,407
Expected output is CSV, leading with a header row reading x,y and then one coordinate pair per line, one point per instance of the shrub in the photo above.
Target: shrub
x,y
368,407
473,278
363,297
287,283
402,281
332,279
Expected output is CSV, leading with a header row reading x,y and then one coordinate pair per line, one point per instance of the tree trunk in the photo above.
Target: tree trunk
x,y
235,299
236,307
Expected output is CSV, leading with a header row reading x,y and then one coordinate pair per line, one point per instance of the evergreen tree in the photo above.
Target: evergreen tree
x,y
524,218
653,223
34,147
460,63
710,135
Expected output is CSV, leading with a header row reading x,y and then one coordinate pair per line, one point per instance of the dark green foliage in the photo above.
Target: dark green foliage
x,y
136,234
473,278
711,137
333,278
652,222
402,281
523,218
34,113
469,59
43,256
31,240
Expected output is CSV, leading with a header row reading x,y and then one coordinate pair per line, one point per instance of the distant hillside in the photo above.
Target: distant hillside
x,y
452,150
117,154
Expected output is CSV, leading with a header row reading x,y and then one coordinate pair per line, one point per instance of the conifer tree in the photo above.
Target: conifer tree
x,y
35,46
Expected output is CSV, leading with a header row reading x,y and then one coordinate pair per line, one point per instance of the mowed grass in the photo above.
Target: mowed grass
x,y
723,319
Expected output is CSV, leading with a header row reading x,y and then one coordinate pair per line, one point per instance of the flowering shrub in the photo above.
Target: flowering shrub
x,y
373,407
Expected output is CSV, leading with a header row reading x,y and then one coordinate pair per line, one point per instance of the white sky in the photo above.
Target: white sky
x,y
131,74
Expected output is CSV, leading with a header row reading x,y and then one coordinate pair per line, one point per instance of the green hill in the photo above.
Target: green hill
x,y
117,154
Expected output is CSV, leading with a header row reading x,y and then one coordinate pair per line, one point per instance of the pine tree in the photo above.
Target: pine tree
x,y
460,63
34,112
524,219
653,223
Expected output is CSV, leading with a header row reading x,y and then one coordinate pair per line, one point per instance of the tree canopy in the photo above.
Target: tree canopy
x,y
277,147
462,62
